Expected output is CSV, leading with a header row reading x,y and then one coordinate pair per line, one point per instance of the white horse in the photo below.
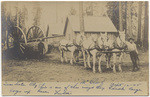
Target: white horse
x,y
90,46
119,46
67,46
87,47
106,44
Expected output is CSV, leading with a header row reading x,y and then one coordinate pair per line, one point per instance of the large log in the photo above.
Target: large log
x,y
33,47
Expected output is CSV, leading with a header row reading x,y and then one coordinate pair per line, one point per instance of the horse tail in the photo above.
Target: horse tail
x,y
62,53
61,50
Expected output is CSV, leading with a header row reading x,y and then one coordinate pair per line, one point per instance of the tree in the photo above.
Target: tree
x,y
146,23
4,25
139,22
120,17
37,15
72,11
113,12
128,20
81,18
89,10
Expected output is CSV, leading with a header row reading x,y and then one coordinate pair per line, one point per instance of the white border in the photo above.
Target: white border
x,y
69,0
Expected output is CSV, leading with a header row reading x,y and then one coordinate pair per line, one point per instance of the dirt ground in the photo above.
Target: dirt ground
x,y
50,69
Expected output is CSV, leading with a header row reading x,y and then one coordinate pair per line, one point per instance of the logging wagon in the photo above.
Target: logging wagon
x,y
28,42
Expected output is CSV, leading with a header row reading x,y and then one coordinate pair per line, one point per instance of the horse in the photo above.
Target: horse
x,y
118,50
106,45
90,46
65,46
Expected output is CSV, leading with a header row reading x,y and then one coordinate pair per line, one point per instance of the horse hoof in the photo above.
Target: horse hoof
x,y
90,67
114,71
94,72
120,70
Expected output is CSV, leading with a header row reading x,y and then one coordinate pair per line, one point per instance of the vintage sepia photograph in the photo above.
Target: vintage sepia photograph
x,y
75,48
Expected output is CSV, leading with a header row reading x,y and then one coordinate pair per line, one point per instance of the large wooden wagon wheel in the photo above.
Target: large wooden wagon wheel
x,y
34,33
16,38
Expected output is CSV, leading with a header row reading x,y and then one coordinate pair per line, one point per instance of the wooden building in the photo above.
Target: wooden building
x,y
93,26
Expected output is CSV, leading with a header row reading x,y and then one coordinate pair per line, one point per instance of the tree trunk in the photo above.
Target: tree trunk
x,y
129,23
81,17
120,17
125,27
146,25
139,22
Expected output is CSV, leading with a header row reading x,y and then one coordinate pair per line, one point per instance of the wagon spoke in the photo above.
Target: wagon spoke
x,y
10,38
35,32
39,34
21,50
31,35
22,46
10,35
10,44
10,41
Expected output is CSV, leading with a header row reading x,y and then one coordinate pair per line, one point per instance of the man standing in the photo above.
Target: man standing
x,y
133,54
41,48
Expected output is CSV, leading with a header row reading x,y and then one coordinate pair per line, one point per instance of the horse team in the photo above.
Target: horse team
x,y
96,48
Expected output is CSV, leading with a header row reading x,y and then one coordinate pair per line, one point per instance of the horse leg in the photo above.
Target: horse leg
x,y
120,62
99,64
107,59
72,49
84,59
65,57
88,59
71,58
62,55
75,56
114,62
93,52
79,56
109,56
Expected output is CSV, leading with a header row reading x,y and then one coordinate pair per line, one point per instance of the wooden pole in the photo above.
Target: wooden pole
x,y
120,17
81,17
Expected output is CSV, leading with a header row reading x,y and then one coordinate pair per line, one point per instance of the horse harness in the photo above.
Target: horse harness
x,y
117,46
66,47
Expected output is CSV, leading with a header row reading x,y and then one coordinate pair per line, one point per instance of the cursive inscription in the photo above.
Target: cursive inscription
x,y
86,86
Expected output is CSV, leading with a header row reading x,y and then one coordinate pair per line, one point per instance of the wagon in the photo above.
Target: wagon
x,y
27,42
